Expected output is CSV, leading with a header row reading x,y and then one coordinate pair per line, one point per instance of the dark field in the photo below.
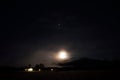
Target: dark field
x,y
61,75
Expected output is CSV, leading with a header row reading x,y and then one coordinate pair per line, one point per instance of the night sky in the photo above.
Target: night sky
x,y
32,32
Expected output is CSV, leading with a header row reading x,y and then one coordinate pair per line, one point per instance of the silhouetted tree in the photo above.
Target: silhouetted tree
x,y
41,66
29,65
37,67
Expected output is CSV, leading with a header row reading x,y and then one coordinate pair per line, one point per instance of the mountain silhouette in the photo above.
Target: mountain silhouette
x,y
87,63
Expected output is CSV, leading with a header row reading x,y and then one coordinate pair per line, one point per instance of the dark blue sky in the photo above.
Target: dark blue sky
x,y
30,32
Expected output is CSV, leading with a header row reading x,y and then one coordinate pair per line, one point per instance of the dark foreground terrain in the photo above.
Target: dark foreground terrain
x,y
61,75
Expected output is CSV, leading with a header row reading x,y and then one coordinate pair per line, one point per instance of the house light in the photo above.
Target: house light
x,y
30,69
51,69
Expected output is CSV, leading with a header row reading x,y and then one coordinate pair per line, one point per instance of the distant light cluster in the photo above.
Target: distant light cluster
x,y
29,69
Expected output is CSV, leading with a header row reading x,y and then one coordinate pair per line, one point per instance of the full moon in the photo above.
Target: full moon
x,y
62,55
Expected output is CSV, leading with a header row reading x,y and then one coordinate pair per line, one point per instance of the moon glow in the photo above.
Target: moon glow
x,y
62,55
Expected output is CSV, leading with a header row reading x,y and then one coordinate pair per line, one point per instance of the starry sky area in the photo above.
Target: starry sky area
x,y
32,32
